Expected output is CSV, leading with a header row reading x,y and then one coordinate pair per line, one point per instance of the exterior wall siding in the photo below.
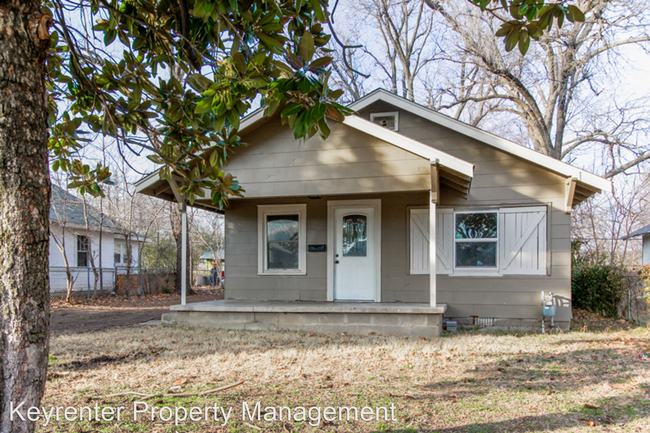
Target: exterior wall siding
x,y
499,179
348,162
276,169
83,277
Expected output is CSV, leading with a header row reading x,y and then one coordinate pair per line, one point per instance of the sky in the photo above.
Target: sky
x,y
630,81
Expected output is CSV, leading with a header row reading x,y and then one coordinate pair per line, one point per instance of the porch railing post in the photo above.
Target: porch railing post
x,y
433,201
182,206
184,259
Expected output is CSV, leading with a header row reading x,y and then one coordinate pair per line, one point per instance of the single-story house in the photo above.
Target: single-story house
x,y
403,217
645,233
69,234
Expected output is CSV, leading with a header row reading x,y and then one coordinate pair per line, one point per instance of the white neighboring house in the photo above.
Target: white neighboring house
x,y
68,229
645,233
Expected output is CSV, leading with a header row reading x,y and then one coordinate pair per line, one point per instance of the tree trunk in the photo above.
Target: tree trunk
x,y
24,209
127,275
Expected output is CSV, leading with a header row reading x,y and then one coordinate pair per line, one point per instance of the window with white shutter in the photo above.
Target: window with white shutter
x,y
419,241
522,240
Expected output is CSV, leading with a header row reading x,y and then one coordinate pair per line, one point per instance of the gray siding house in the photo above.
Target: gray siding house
x,y
402,219
644,232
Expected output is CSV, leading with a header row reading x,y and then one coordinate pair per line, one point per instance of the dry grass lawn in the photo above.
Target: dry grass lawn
x,y
588,380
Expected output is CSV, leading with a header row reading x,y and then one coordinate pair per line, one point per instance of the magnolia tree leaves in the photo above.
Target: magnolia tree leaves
x,y
530,19
176,77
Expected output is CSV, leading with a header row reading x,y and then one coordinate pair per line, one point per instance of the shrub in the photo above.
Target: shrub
x,y
645,278
598,288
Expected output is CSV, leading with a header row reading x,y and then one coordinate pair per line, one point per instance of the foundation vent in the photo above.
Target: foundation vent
x,y
482,321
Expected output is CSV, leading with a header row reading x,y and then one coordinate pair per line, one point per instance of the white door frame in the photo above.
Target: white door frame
x,y
341,204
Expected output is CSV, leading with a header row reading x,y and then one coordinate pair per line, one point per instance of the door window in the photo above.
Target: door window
x,y
355,236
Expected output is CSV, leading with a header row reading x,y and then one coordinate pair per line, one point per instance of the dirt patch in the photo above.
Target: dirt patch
x,y
95,314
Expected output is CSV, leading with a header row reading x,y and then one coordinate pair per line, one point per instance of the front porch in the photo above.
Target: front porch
x,y
417,319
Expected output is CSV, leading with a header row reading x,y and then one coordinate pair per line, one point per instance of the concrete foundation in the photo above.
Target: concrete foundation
x,y
326,317
508,324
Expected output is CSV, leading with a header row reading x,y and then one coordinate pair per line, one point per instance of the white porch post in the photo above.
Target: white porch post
x,y
184,252
433,201
182,206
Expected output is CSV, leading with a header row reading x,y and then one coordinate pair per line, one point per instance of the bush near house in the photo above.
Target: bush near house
x,y
598,288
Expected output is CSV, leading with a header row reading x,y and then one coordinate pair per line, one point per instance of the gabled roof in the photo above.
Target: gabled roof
x,y
458,165
588,180
67,208
454,172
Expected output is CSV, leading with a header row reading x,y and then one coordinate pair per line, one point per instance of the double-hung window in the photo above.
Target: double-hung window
x,y
476,237
117,253
82,251
282,232
492,242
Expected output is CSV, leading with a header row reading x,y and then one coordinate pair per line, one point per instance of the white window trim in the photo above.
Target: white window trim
x,y
384,114
485,272
121,253
87,251
478,271
262,252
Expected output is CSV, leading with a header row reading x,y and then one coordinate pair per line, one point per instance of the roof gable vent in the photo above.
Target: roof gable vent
x,y
389,119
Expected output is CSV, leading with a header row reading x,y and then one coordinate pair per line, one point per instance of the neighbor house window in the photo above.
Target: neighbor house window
x,y
476,240
388,119
282,231
82,251
117,253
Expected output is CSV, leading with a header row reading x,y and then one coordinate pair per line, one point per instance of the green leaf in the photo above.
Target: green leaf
x,y
336,94
575,14
318,10
109,37
271,43
282,66
524,41
504,30
306,47
240,62
324,127
511,40
156,159
203,106
321,62
291,109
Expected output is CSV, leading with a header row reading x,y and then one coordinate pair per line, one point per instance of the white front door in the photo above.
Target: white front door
x,y
354,254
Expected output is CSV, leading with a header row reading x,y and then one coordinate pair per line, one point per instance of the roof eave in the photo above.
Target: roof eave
x,y
589,180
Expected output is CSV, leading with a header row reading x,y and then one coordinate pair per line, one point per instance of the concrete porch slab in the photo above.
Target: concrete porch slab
x,y
232,306
352,317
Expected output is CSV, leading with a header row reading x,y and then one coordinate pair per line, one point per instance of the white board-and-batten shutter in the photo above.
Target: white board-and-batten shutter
x,y
419,241
523,240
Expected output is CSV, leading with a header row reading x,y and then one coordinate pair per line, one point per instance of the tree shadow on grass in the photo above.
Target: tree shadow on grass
x,y
567,372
